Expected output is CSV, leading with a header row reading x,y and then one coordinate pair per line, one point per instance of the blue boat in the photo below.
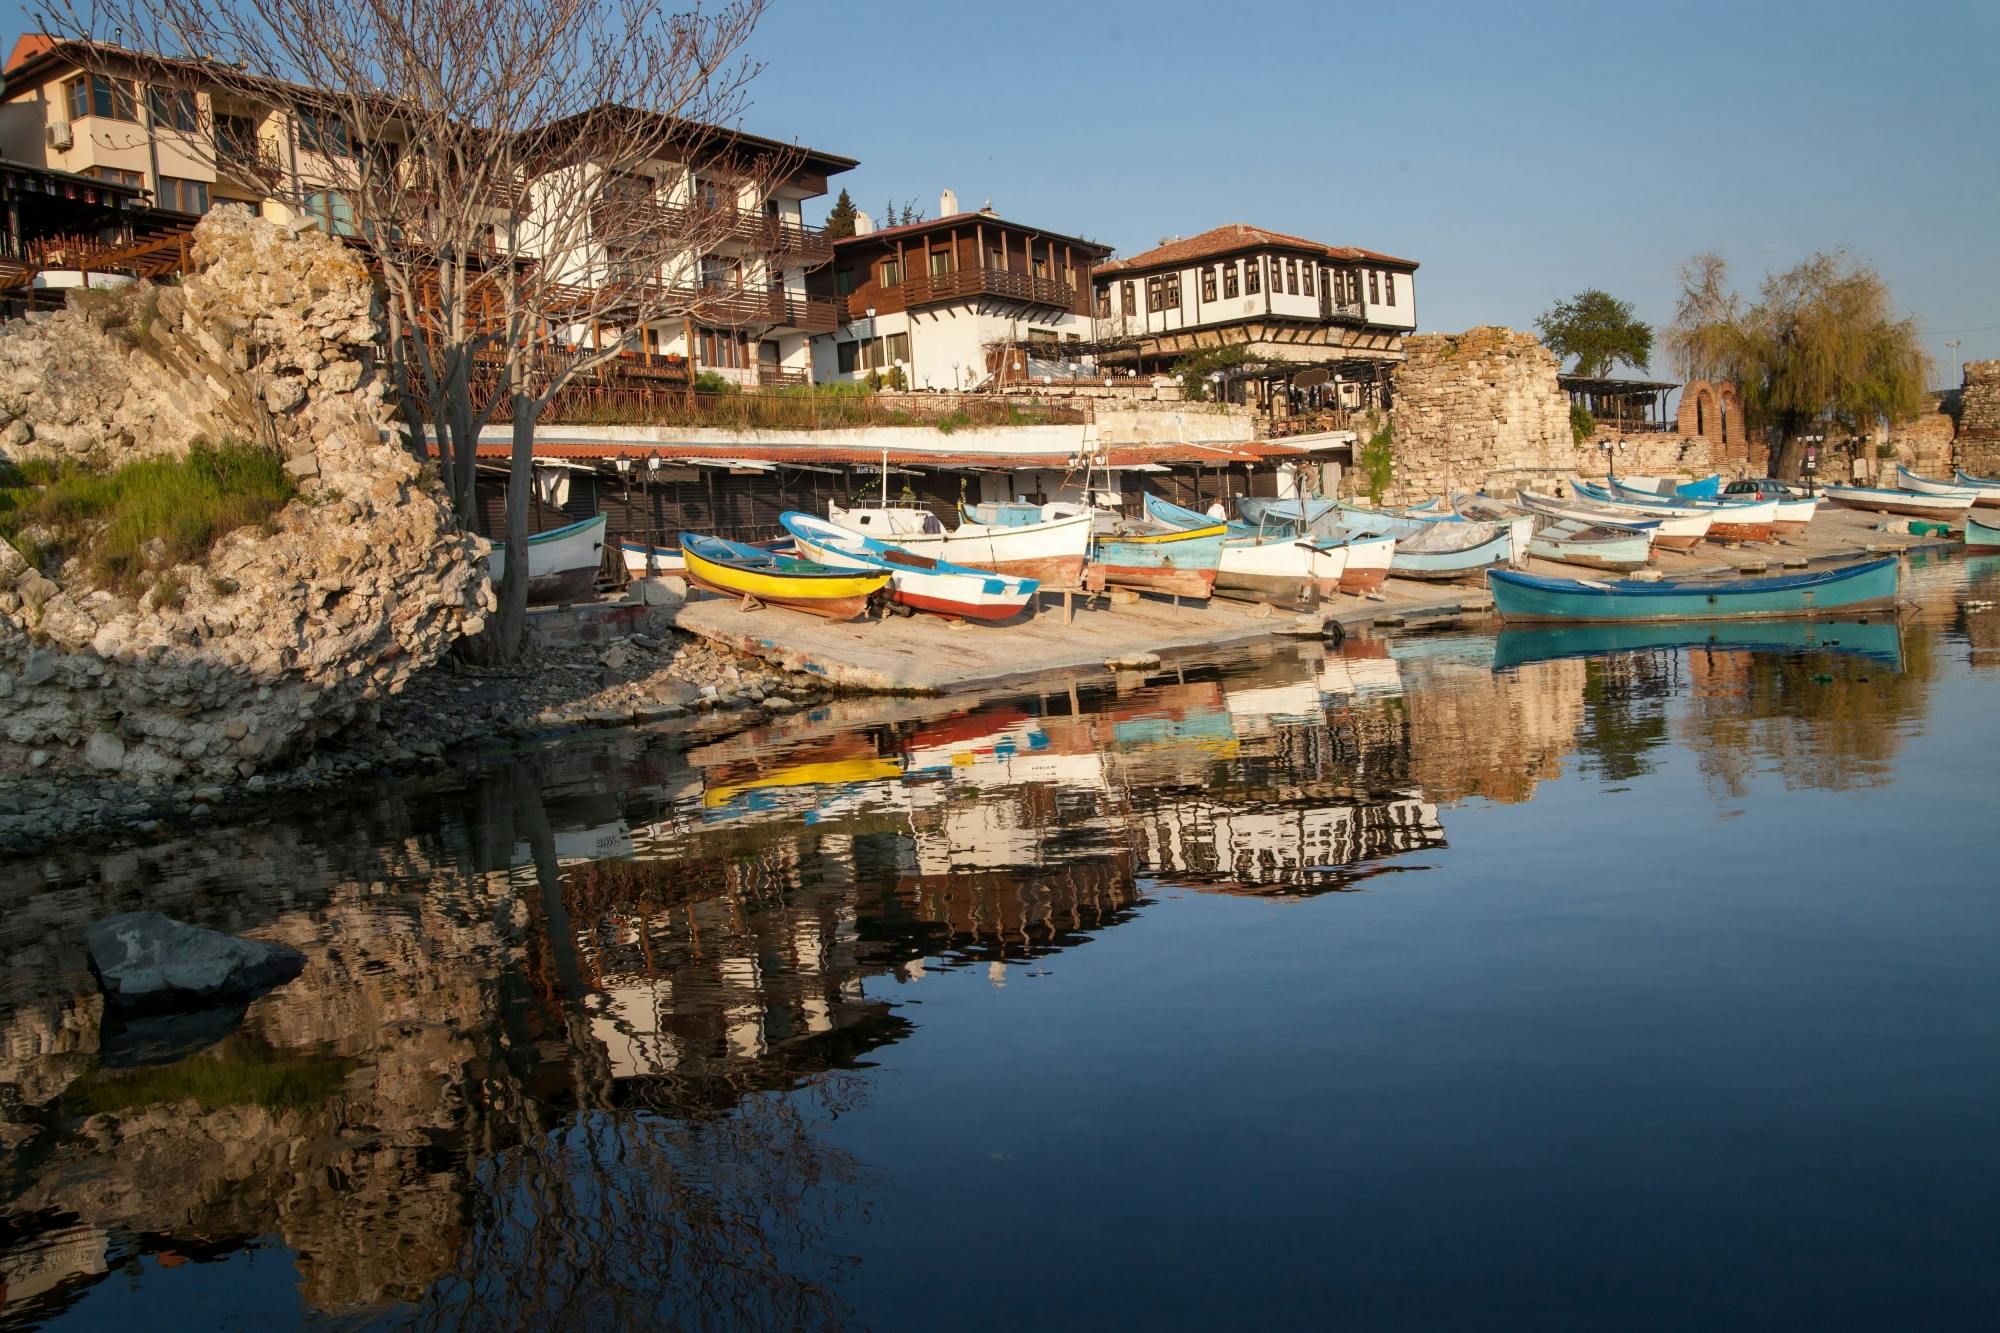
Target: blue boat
x,y
1436,550
1159,557
1525,598
1178,516
1879,640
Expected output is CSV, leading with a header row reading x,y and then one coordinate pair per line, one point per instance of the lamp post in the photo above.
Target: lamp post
x,y
1951,346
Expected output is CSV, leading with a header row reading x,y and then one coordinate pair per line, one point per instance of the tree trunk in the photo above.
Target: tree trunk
x,y
464,445
506,629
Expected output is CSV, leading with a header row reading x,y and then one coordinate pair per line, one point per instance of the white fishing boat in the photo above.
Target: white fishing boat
x,y
919,582
1052,552
562,562
1911,481
1988,488
1673,533
1914,504
1749,520
1282,566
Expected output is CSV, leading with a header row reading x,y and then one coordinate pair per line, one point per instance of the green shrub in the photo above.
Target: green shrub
x,y
1377,462
1582,425
710,382
111,519
952,421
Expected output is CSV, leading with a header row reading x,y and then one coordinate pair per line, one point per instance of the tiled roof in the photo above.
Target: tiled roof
x,y
1232,237
962,219
1134,455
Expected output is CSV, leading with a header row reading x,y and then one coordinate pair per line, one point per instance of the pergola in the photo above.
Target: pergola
x,y
1626,405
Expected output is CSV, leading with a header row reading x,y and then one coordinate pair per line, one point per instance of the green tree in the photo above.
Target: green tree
x,y
840,218
1599,330
1821,347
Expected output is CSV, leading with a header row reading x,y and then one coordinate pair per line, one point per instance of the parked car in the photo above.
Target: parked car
x,y
1762,488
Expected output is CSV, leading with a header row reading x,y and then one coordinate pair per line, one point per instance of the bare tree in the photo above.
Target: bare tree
x,y
533,181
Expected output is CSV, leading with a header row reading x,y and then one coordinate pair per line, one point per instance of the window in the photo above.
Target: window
x,y
1125,292
899,347
1277,276
332,211
1229,280
1208,282
1292,276
727,350
1306,277
183,196
1253,276
325,133
119,176
1389,288
1374,294
1104,303
1040,267
173,109
844,282
940,263
96,95
1170,292
892,273
1152,294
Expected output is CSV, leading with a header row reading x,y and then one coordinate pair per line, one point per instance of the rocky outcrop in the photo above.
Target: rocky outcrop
x,y
146,960
287,632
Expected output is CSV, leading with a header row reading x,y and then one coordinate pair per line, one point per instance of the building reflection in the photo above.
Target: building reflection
x,y
539,994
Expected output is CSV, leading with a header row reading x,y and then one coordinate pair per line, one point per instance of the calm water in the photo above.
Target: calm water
x,y
1450,981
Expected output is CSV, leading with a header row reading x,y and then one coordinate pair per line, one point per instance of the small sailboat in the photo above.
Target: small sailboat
x,y
562,562
1914,504
1526,598
733,569
957,592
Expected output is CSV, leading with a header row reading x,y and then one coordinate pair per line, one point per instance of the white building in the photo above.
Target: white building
x,y
956,302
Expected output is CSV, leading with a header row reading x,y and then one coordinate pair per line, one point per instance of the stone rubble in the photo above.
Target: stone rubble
x,y
287,634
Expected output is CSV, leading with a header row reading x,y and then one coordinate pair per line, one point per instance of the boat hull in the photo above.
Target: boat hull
x,y
562,563
642,560
1525,599
1285,571
1987,488
1617,556
1912,504
1198,583
1880,640
834,598
1183,563
1444,566
1981,538
1052,553
955,592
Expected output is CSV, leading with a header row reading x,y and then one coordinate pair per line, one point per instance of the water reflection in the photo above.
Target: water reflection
x,y
569,1026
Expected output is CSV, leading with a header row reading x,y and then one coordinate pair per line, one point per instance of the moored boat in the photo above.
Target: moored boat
x,y
1914,504
957,592
1569,541
1988,488
1675,533
562,562
1052,552
1368,554
1922,485
733,569
1981,538
1433,549
1285,567
1728,520
1526,598
1156,557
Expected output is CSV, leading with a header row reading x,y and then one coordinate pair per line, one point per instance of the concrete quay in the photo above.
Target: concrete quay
x,y
925,655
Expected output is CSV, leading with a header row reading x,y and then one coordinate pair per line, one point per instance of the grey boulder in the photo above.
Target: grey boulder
x,y
147,960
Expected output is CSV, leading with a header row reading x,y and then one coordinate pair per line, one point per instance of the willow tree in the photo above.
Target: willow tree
x,y
1820,348
521,175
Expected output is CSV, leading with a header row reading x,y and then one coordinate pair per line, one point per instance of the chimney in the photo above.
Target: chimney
x,y
863,224
948,203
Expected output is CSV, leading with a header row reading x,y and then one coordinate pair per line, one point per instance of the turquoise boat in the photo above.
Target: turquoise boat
x,y
1160,558
1525,598
1981,538
1879,640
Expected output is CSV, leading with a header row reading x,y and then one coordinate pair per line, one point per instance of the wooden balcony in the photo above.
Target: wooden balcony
x,y
251,164
715,225
921,289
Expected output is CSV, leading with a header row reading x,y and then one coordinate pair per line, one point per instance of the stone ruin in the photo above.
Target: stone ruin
x,y
1476,409
287,632
1979,419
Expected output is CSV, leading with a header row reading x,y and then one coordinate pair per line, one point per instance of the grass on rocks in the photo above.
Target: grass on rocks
x,y
112,520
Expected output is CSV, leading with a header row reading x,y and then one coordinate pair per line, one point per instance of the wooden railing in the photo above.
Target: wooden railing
x,y
929,288
716,225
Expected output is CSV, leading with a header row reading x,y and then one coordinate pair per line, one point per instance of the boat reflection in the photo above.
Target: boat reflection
x,y
1878,639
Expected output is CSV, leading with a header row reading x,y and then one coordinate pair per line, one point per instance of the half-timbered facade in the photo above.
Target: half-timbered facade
x,y
954,303
1283,298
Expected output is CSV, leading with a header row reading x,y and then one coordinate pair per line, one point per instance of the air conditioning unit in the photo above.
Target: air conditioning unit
x,y
60,137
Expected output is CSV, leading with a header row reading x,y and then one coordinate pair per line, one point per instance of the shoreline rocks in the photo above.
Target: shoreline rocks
x,y
148,962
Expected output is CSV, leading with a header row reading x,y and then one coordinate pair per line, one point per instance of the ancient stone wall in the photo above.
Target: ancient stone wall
x,y
287,631
1473,409
1979,419
1651,453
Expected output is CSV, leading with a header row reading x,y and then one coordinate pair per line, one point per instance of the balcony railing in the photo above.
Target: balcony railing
x,y
715,225
251,162
931,288
1341,312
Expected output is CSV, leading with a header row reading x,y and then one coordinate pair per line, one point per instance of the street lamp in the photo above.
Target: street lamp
x,y
1953,344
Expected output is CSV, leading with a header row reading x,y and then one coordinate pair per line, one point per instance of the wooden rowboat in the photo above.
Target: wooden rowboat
x,y
1988,488
744,572
1368,554
1156,557
1434,549
1672,533
562,562
1282,566
1981,537
1916,504
1570,541
1524,598
1922,485
956,592
1052,552
1728,520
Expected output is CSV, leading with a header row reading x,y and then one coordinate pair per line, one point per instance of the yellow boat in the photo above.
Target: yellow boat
x,y
743,572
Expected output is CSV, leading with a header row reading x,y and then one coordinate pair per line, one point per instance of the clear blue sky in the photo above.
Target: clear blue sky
x,y
1519,151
